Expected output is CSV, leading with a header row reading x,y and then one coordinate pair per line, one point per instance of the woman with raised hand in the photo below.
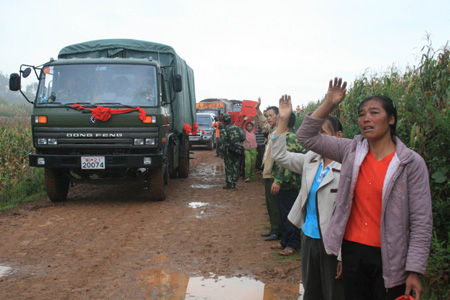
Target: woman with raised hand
x,y
382,217
312,209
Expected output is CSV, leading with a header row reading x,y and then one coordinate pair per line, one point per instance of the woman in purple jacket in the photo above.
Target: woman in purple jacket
x,y
382,216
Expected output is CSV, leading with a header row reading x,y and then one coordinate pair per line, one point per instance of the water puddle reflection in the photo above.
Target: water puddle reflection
x,y
203,186
197,204
208,173
217,168
162,284
198,213
4,271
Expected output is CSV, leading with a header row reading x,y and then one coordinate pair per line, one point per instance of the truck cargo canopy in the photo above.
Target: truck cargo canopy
x,y
126,48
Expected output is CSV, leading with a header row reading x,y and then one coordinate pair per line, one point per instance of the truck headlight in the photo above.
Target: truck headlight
x,y
138,142
150,142
52,141
42,141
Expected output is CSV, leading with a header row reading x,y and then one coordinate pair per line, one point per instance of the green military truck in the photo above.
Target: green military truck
x,y
111,111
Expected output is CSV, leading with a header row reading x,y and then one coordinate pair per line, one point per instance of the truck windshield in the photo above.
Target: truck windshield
x,y
98,84
204,121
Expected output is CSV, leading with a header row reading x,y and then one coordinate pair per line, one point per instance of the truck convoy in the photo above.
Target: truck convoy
x,y
218,106
207,109
111,111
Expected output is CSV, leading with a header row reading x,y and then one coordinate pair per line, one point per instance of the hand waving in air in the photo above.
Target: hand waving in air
x,y
284,112
285,107
335,95
336,91
259,103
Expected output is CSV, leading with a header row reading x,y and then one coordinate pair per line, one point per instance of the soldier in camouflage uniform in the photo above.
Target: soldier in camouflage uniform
x,y
230,134
286,186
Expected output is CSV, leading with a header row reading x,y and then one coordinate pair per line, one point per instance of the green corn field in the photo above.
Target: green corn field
x,y
18,181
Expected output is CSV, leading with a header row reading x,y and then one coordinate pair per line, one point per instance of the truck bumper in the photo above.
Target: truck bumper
x,y
200,140
111,161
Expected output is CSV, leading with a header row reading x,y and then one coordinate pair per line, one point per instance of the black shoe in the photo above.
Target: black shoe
x,y
273,237
266,234
228,187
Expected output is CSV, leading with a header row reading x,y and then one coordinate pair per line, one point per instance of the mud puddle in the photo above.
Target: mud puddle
x,y
164,284
4,271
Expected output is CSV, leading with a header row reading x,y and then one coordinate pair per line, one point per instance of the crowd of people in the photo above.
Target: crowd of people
x,y
358,210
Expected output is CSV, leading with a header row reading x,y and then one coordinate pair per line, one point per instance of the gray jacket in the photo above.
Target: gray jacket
x,y
307,165
406,217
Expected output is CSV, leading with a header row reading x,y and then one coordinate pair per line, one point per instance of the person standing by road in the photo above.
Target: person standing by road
x,y
286,186
382,218
229,135
250,149
216,125
260,146
269,123
321,273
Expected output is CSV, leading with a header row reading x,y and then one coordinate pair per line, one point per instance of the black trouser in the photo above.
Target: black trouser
x,y
217,146
291,234
272,207
319,271
363,274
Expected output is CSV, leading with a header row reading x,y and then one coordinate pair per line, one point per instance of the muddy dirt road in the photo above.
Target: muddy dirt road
x,y
110,242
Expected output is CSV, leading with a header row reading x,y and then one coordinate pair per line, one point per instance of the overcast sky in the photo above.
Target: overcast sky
x,y
239,49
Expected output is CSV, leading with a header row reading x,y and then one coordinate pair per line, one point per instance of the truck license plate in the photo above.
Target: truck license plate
x,y
92,162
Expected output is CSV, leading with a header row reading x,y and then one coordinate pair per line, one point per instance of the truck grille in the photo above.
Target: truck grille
x,y
89,137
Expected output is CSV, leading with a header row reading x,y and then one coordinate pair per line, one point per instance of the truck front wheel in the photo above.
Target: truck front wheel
x,y
56,184
183,163
158,180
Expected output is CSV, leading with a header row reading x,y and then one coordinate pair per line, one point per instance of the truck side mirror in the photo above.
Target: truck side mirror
x,y
26,72
177,83
14,82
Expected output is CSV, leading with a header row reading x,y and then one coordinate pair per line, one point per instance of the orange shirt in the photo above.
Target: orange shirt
x,y
216,124
363,225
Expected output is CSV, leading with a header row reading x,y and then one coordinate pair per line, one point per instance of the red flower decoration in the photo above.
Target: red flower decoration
x,y
104,113
187,129
194,128
101,113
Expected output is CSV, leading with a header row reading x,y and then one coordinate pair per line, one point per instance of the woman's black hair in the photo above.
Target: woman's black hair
x,y
388,106
251,123
291,122
334,124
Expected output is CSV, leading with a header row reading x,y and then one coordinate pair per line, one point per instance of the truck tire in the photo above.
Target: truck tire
x,y
173,171
56,184
183,163
158,180
210,145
